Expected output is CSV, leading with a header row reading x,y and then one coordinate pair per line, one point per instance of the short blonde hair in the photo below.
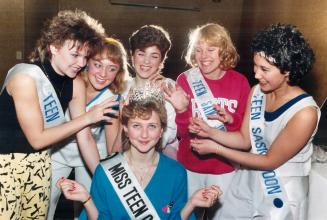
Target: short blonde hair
x,y
214,35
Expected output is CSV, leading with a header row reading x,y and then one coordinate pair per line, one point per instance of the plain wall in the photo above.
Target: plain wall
x,y
21,22
310,16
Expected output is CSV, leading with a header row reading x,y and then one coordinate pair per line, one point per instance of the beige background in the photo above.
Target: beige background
x,y
21,21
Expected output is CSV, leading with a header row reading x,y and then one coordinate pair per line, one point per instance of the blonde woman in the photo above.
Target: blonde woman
x,y
211,86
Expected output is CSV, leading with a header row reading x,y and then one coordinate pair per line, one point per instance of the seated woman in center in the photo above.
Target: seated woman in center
x,y
140,183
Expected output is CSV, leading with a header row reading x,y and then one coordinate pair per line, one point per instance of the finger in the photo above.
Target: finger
x,y
166,91
60,181
110,113
107,100
215,187
217,107
156,78
214,116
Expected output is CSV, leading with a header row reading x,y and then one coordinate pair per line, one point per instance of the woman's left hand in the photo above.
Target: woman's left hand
x,y
222,115
204,146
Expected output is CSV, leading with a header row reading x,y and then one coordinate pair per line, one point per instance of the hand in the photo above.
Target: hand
x,y
204,146
176,96
222,115
157,79
103,111
199,127
72,190
206,197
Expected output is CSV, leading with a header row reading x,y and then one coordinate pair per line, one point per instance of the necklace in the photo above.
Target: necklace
x,y
143,173
58,91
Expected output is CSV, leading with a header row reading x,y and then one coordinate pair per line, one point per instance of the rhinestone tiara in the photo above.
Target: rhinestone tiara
x,y
148,92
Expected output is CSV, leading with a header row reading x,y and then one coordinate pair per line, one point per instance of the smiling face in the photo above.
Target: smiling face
x,y
144,134
269,76
101,71
208,60
147,62
68,59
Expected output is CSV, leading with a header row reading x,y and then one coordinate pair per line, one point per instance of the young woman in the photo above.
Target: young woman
x,y
149,46
33,100
277,186
140,182
211,82
104,77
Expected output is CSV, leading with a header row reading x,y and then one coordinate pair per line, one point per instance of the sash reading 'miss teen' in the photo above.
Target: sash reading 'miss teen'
x,y
131,194
269,179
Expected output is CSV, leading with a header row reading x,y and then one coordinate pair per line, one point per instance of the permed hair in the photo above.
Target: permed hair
x,y
284,46
151,35
114,50
68,25
143,109
215,35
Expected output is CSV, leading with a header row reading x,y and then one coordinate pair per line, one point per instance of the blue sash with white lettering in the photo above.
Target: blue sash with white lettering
x,y
203,98
275,195
50,106
114,167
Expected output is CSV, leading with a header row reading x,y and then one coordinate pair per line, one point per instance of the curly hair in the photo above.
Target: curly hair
x,y
215,35
144,110
151,35
284,46
68,25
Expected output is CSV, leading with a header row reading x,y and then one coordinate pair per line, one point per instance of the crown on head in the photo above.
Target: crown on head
x,y
148,92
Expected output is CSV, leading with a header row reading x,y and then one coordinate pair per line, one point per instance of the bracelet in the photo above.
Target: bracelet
x,y
88,199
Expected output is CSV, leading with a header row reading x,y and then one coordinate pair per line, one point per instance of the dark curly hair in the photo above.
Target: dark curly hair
x,y
150,35
284,46
76,25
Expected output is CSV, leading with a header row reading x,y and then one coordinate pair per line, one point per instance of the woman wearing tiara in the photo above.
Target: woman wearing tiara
x,y
104,77
140,182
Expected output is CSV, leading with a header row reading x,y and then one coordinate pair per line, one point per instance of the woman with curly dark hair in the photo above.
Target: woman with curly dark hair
x,y
274,182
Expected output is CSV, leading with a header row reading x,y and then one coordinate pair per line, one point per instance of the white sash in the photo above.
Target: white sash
x,y
50,106
126,186
275,195
203,97
100,97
